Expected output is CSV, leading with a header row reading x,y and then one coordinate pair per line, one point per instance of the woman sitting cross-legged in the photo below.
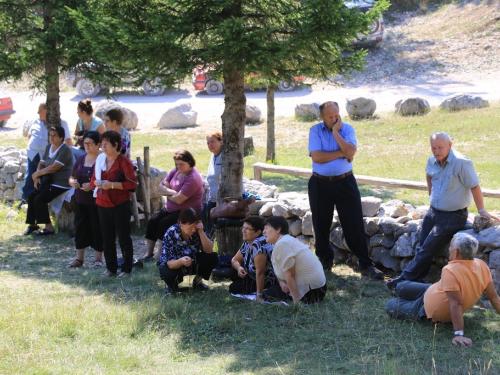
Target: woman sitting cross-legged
x,y
252,267
299,272
186,251
50,181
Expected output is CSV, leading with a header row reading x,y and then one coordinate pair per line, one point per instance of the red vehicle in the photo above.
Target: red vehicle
x,y
6,108
203,81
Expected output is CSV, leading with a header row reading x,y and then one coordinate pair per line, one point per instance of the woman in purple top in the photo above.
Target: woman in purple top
x,y
87,225
183,188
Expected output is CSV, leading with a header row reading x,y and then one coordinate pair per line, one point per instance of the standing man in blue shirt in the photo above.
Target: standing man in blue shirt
x,y
451,182
332,145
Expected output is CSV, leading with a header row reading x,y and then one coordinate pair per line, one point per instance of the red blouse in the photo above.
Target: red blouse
x,y
114,197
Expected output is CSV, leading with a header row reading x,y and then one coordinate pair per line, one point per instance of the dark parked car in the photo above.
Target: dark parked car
x,y
6,108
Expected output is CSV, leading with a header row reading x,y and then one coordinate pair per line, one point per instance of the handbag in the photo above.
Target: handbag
x,y
44,182
122,177
232,207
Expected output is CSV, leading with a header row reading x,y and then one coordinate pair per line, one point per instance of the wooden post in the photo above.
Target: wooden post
x,y
147,179
142,183
135,210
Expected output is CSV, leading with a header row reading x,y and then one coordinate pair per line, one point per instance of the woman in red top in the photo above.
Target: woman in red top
x,y
113,178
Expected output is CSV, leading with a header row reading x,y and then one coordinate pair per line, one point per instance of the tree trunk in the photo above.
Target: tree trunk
x,y
233,134
271,150
51,73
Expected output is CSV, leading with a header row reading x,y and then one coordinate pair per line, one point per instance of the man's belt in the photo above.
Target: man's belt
x,y
333,178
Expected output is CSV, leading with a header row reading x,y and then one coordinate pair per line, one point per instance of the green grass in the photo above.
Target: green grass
x,y
55,320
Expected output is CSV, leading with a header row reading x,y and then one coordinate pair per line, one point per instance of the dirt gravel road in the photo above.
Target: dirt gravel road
x,y
210,108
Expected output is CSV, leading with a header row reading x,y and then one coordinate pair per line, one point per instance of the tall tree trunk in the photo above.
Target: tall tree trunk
x,y
233,134
271,141
51,72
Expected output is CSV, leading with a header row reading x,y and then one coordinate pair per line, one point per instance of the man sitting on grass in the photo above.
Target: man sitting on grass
x,y
462,282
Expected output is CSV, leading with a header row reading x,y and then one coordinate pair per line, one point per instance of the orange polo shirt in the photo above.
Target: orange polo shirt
x,y
471,277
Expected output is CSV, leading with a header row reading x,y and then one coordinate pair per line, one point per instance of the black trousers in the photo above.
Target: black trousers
x,y
324,197
208,223
159,224
202,266
116,220
246,285
275,293
87,227
38,209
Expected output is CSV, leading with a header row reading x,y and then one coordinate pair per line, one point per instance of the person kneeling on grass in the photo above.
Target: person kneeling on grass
x,y
299,272
187,250
462,282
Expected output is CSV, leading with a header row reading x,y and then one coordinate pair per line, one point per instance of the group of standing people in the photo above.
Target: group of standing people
x,y
101,175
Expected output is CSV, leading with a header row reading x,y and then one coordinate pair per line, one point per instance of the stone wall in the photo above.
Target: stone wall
x,y
12,169
392,231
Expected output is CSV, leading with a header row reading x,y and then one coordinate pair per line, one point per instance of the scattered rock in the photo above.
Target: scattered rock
x,y
458,102
130,119
178,116
307,110
412,107
360,107
253,114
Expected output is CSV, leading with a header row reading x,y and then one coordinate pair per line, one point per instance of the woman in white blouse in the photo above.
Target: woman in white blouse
x,y
299,272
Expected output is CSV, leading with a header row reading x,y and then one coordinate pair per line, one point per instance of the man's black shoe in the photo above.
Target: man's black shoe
x,y
391,284
372,272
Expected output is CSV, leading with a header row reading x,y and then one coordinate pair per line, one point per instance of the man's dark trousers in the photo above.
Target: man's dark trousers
x,y
438,229
344,194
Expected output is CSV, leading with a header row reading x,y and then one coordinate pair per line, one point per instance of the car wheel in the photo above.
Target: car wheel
x,y
285,86
86,88
213,87
152,89
3,123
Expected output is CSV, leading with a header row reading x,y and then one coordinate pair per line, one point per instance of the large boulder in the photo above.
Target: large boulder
x,y
360,107
253,114
178,116
307,110
412,107
130,119
458,102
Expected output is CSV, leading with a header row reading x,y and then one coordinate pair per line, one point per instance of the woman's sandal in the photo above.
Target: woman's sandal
x,y
97,264
75,263
31,229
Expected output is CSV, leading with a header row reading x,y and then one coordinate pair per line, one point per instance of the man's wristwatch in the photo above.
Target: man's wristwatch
x,y
458,333
112,185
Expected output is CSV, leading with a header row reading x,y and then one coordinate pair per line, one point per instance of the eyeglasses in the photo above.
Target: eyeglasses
x,y
244,229
88,143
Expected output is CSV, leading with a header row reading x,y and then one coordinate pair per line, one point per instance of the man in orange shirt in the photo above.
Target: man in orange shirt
x,y
462,283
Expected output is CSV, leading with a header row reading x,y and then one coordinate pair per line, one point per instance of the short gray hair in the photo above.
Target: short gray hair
x,y
327,104
441,135
466,245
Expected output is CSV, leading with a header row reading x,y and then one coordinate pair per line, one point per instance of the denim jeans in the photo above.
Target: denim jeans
x,y
409,303
29,184
438,229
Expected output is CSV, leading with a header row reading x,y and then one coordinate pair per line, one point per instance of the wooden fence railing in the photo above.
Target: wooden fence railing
x,y
367,180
